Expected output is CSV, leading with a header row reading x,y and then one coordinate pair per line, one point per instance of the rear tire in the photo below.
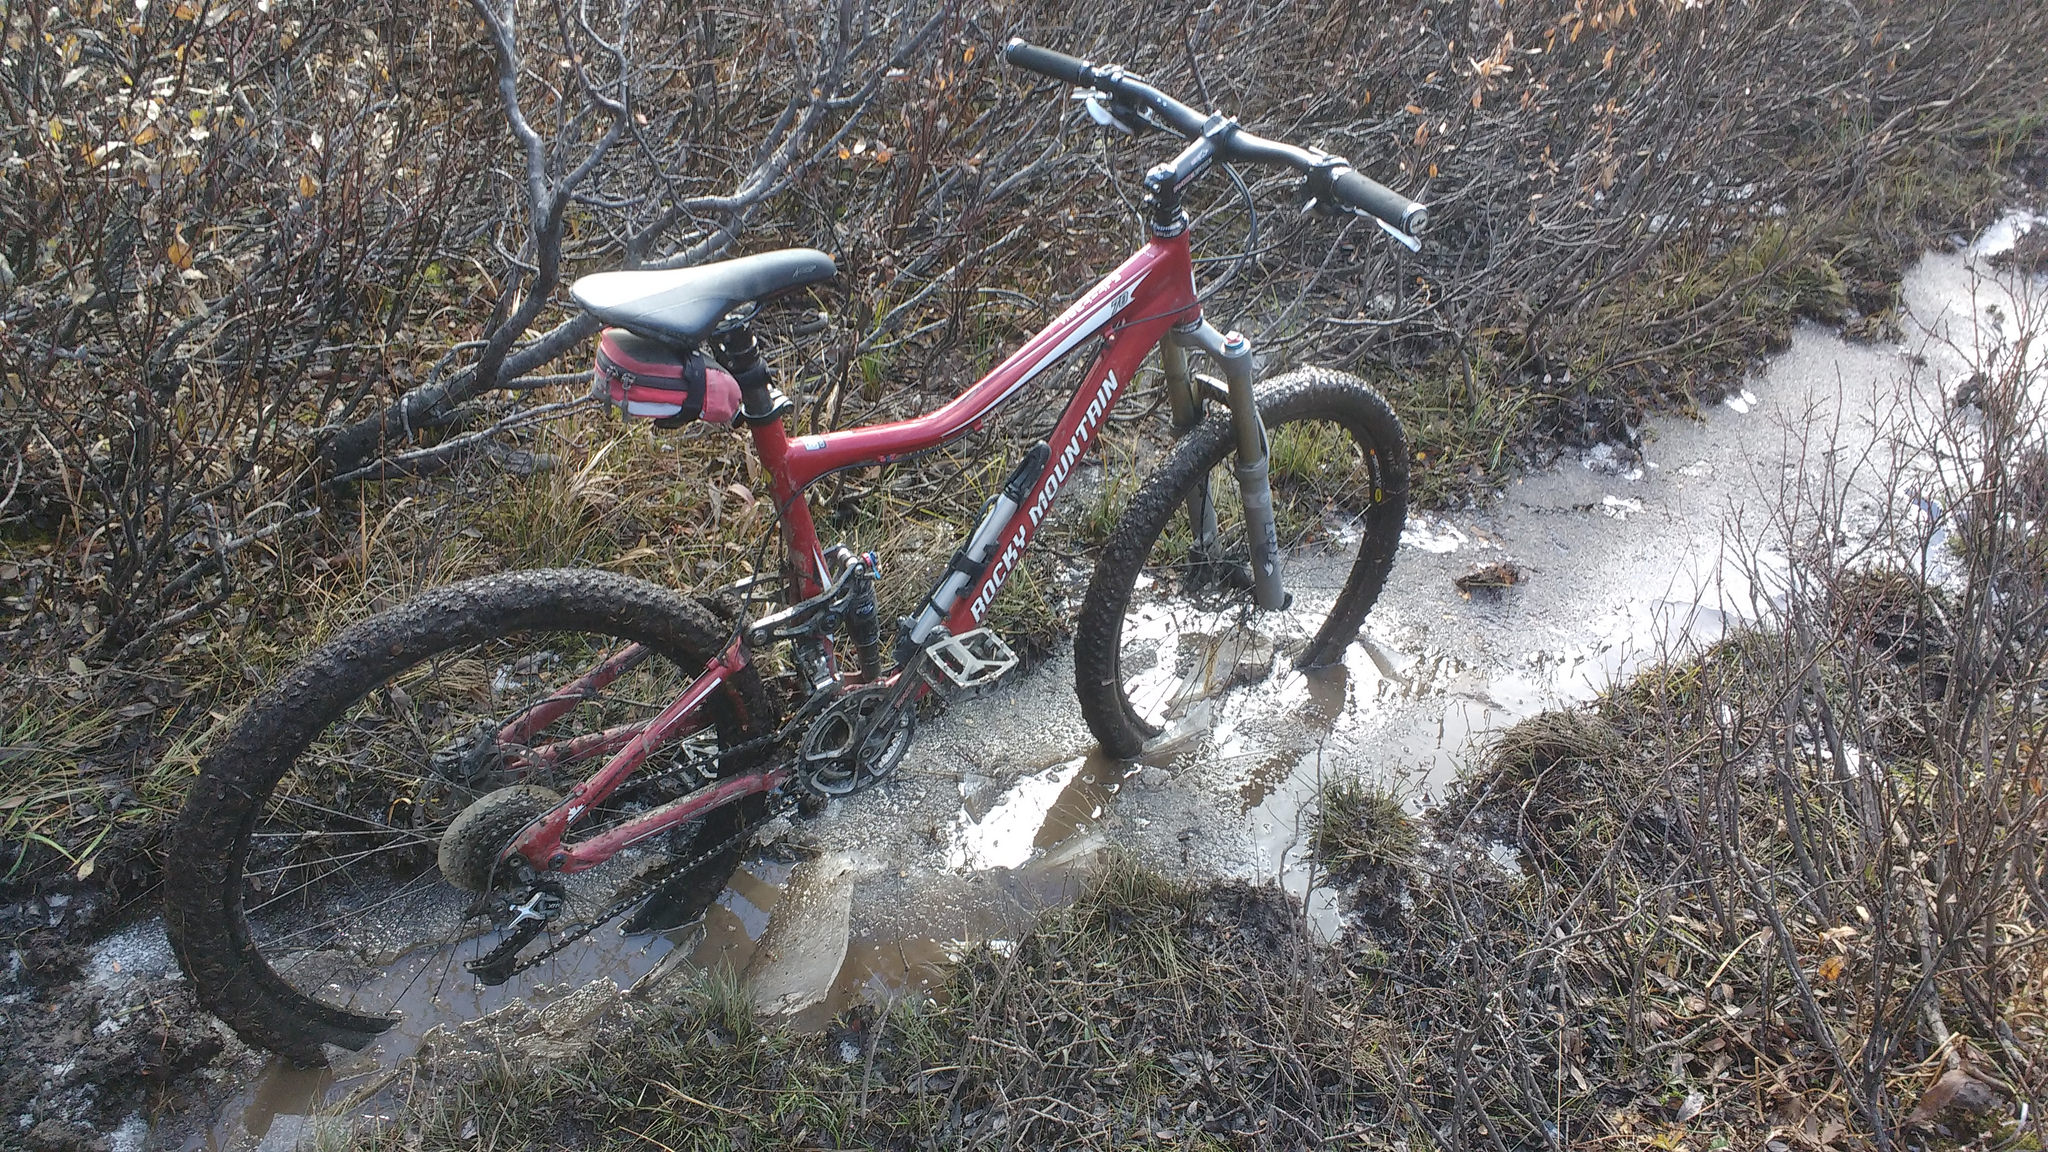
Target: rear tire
x,y
1161,630
303,870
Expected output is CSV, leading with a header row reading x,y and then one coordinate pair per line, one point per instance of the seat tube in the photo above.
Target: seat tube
x,y
800,535
1254,484
763,407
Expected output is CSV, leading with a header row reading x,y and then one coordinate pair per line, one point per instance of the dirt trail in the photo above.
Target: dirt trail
x,y
1625,555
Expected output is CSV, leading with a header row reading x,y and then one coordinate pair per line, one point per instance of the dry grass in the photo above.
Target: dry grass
x,y
1147,1014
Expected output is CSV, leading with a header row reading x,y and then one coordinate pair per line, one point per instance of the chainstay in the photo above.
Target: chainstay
x,y
645,886
761,743
716,760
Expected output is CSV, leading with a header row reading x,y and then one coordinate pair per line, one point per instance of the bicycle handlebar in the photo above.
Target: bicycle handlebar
x,y
1047,62
1329,175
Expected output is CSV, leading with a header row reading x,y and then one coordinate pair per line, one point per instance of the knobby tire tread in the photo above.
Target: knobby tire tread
x,y
1303,394
210,839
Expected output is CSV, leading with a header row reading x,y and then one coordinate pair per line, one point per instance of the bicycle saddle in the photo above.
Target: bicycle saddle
x,y
683,305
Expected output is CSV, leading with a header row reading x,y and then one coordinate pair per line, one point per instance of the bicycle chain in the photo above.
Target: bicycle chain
x,y
642,887
645,886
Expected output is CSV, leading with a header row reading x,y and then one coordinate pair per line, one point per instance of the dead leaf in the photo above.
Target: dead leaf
x,y
1957,1092
1694,1103
1490,580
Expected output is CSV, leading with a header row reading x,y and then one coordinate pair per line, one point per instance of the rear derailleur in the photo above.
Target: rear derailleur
x,y
522,919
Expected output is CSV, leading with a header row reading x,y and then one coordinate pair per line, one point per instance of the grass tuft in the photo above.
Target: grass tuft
x,y
1360,828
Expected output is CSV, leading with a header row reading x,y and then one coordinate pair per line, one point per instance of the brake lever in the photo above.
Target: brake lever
x,y
1104,110
1411,243
1333,207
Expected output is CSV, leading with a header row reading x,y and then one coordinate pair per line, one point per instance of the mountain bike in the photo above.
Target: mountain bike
x,y
462,787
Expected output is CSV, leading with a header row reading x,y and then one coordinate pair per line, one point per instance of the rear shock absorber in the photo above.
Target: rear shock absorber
x,y
862,622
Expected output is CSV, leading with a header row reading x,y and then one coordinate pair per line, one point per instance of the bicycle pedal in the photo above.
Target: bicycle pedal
x,y
971,659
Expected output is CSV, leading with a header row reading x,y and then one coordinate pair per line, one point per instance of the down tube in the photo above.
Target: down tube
x,y
1125,352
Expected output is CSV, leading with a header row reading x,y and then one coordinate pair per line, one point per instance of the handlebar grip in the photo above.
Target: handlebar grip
x,y
1047,62
1363,192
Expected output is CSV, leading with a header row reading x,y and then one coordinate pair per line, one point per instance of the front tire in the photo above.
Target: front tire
x,y
306,901
1165,626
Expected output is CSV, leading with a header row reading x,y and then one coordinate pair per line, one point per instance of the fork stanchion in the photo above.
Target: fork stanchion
x,y
1233,353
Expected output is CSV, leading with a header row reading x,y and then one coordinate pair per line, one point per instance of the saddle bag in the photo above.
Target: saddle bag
x,y
652,380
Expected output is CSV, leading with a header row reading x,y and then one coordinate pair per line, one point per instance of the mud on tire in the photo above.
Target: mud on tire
x,y
211,840
1340,489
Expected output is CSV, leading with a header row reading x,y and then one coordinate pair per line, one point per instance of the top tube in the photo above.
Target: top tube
x,y
1156,282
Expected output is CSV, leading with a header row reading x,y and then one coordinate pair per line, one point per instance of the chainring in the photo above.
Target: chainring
x,y
856,740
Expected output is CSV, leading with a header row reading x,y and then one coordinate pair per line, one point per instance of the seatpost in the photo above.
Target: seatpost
x,y
735,348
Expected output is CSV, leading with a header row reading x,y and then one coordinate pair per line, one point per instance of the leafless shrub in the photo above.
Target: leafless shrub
x,y
213,230
1903,726
255,253
1630,198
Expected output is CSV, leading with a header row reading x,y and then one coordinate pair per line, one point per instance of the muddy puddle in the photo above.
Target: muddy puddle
x,y
1618,558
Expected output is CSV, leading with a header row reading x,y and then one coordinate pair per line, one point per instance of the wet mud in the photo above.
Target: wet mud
x,y
1619,558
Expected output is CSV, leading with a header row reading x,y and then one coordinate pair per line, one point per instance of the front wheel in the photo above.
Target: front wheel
x,y
335,865
1169,620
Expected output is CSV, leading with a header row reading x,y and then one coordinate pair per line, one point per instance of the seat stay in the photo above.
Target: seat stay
x,y
543,843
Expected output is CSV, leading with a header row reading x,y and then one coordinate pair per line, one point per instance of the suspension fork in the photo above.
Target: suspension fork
x,y
1184,400
1233,353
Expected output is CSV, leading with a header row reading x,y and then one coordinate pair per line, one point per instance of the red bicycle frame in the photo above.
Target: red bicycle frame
x,y
1132,309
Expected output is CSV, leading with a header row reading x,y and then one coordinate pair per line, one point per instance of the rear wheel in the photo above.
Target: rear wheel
x,y
335,864
1169,620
